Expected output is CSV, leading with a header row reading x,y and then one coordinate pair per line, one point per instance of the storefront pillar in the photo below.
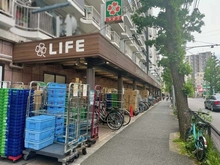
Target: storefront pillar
x,y
120,90
134,85
90,76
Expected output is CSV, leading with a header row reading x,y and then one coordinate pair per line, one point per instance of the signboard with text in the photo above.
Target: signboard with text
x,y
113,11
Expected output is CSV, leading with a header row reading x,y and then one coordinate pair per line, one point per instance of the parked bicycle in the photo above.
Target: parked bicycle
x,y
195,135
111,116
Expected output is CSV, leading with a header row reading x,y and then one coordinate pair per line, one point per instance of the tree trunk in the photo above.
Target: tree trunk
x,y
174,54
181,101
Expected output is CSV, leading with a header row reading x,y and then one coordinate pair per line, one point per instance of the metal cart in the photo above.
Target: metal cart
x,y
69,104
95,102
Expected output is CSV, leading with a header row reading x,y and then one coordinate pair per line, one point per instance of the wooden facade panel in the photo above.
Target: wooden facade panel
x,y
58,49
6,48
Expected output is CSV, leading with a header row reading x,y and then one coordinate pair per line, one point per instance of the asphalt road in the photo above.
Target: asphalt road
x,y
198,103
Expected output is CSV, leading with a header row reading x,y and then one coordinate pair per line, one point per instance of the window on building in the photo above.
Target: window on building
x,y
51,77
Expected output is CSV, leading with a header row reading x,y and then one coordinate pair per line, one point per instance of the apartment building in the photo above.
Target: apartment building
x,y
43,42
198,63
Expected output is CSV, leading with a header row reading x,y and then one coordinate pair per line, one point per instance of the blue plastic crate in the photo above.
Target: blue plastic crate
x,y
56,92
59,121
56,85
59,130
39,136
39,145
40,123
16,145
16,109
60,103
14,153
54,108
58,111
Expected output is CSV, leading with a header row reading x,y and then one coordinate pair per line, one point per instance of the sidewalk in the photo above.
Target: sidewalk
x,y
144,141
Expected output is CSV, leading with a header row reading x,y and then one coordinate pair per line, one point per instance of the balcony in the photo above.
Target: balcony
x,y
143,58
126,33
32,26
118,27
128,52
75,8
92,20
135,47
115,39
127,18
141,42
96,4
6,14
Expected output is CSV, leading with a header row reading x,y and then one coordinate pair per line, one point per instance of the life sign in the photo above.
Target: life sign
x,y
59,48
79,47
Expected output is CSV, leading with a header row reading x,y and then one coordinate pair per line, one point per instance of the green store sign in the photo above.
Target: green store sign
x,y
113,11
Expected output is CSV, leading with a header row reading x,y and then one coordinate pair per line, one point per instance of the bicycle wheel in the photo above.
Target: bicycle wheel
x,y
201,152
127,117
115,120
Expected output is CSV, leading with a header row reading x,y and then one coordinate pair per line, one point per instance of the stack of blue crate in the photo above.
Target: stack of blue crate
x,y
109,100
16,121
39,132
56,103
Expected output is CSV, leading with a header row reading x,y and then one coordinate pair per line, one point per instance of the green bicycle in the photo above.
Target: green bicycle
x,y
195,135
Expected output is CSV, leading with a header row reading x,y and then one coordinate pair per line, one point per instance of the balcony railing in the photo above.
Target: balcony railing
x,y
24,19
128,51
108,31
141,41
93,14
6,7
115,38
127,30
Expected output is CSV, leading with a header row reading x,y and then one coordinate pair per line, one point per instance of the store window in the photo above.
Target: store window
x,y
50,77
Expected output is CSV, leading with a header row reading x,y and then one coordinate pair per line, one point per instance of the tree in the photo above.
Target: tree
x,y
212,74
174,24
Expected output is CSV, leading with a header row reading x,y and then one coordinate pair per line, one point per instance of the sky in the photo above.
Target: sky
x,y
210,31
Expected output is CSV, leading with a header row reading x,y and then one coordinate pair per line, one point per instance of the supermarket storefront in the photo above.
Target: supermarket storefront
x,y
90,55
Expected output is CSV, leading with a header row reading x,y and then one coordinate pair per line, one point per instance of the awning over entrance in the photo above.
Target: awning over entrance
x,y
81,46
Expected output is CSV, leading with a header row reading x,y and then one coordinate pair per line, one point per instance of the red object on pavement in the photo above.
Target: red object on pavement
x,y
131,111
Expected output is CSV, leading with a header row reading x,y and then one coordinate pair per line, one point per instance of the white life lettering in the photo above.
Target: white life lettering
x,y
80,45
51,50
68,45
60,47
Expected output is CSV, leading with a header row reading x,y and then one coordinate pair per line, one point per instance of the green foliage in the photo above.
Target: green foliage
x,y
206,117
188,88
212,73
185,68
166,75
213,156
181,146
